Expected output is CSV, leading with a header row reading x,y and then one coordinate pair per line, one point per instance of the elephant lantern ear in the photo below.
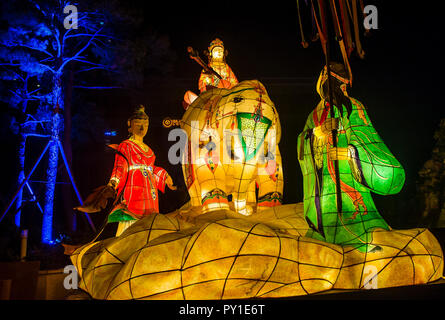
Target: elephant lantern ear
x,y
277,125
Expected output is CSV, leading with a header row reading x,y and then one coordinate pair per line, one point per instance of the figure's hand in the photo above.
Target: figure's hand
x,y
339,154
98,200
169,183
326,128
112,184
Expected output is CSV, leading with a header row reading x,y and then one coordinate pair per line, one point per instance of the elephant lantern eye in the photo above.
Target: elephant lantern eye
x,y
238,99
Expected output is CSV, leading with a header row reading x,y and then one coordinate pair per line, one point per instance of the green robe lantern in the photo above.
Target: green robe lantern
x,y
364,161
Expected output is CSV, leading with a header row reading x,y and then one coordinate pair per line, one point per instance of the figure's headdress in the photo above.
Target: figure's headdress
x,y
338,71
138,113
216,43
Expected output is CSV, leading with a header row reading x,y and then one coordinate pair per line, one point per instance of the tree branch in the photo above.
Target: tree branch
x,y
38,8
9,64
16,44
79,19
59,47
93,68
34,121
89,34
98,88
47,67
37,135
79,52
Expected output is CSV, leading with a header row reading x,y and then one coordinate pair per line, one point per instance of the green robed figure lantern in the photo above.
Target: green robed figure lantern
x,y
365,165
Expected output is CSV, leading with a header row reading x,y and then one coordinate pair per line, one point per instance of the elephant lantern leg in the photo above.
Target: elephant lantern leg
x,y
270,182
213,188
240,193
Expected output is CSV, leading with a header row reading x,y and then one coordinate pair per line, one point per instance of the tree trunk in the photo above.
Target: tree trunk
x,y
53,159
20,178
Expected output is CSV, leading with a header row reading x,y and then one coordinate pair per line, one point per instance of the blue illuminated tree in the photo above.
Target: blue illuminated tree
x,y
49,46
20,89
41,41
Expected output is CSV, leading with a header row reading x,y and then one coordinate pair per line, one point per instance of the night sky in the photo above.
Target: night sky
x,y
397,82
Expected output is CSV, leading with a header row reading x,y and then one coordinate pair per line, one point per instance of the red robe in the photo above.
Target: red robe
x,y
228,81
141,180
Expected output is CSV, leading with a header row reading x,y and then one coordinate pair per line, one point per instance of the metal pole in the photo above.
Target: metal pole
x,y
74,184
25,181
34,197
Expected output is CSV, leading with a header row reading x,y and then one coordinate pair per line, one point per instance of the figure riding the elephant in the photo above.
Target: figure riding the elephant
x,y
217,61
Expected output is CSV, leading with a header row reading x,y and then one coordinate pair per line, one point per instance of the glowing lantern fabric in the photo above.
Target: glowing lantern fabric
x,y
252,131
366,166
209,249
222,255
142,184
233,149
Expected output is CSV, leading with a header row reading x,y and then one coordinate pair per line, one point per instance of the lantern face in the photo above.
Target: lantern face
x,y
218,53
139,127
236,148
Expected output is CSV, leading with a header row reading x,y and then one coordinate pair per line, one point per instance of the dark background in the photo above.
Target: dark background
x,y
398,81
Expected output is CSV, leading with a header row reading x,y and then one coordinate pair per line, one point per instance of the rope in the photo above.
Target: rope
x,y
304,43
320,32
341,41
358,45
346,27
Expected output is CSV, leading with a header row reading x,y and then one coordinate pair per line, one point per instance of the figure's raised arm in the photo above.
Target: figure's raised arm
x,y
162,179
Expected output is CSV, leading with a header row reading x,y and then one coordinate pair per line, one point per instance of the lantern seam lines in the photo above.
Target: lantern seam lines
x,y
234,260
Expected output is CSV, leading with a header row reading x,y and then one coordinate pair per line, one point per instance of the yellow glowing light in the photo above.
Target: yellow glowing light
x,y
218,53
212,248
182,256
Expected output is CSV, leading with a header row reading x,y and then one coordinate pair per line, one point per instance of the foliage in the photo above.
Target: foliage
x,y
431,183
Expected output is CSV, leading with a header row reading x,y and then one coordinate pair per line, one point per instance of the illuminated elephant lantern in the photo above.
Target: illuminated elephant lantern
x,y
232,148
